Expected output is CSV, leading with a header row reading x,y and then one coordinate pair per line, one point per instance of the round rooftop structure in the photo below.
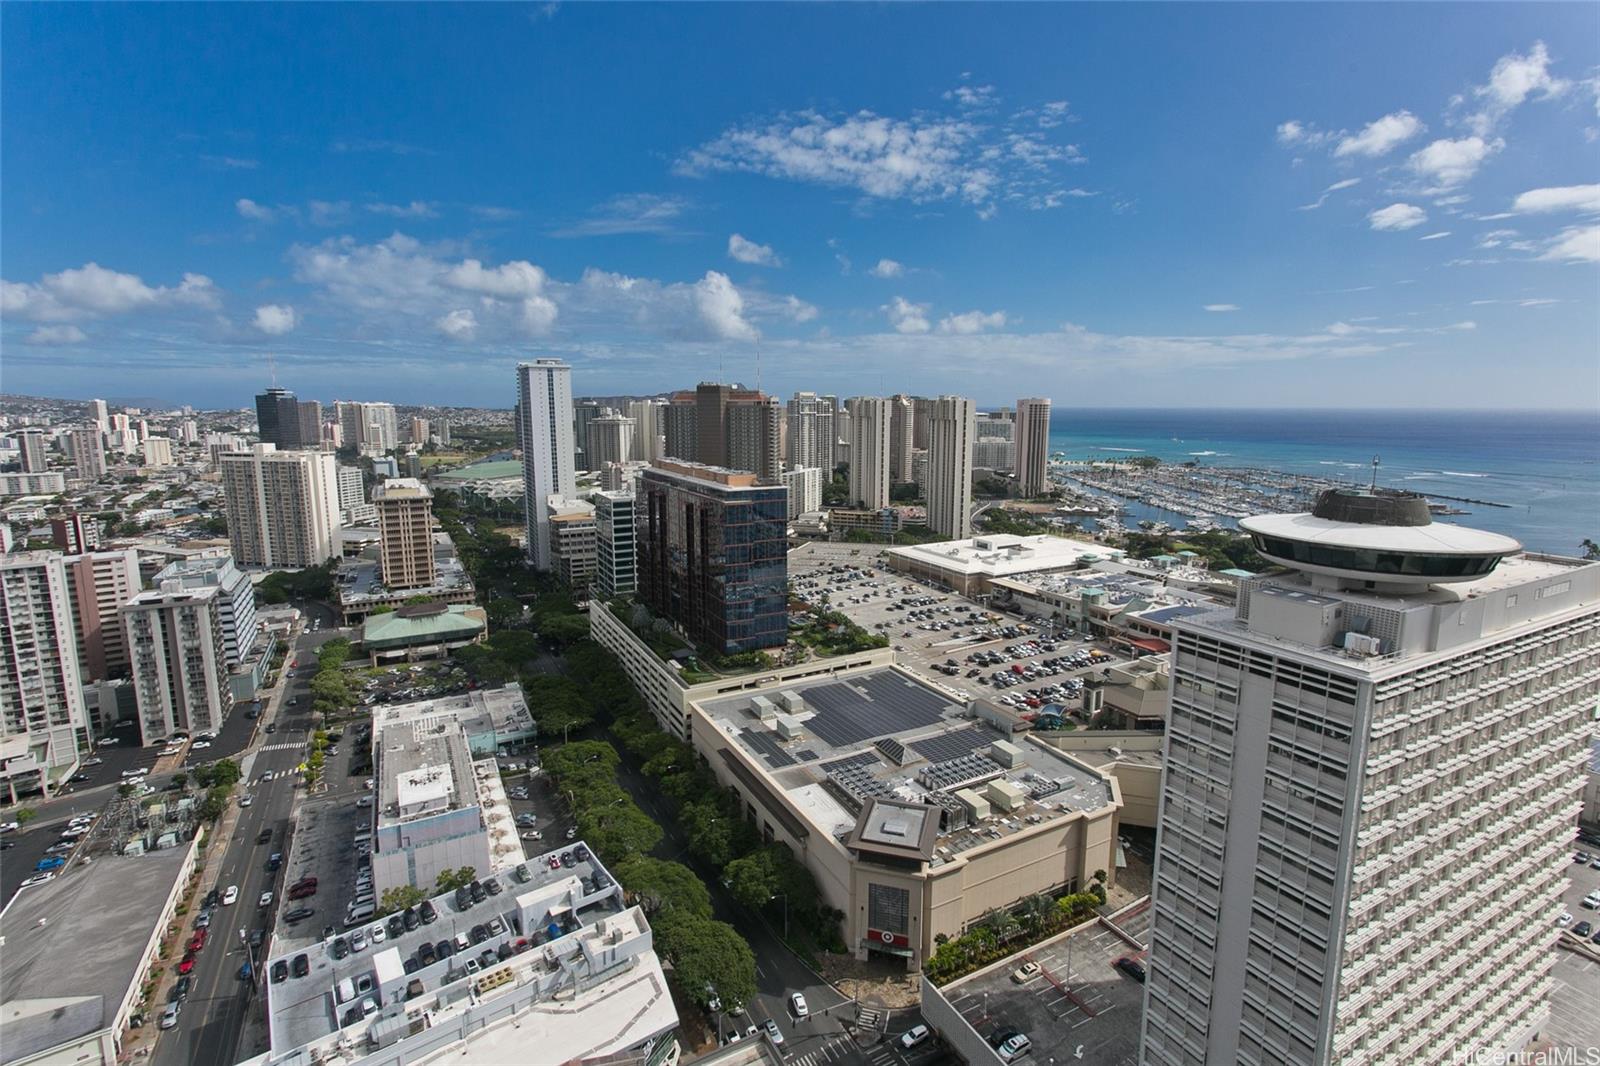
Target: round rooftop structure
x,y
1386,537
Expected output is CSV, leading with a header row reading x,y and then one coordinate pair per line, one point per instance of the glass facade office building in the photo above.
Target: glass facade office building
x,y
713,555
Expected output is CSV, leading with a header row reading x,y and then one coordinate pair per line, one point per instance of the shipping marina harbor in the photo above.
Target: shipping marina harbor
x,y
1205,497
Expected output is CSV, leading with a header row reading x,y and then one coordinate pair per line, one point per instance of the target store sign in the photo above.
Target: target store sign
x,y
893,940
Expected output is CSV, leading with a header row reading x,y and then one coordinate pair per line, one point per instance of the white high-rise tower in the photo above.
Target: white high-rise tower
x,y
1370,785
544,397
951,427
869,451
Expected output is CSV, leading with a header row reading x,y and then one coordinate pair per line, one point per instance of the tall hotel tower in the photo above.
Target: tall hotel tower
x,y
1370,787
544,408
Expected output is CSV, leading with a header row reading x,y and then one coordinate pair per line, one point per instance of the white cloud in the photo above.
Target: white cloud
x,y
230,162
748,251
926,158
328,213
255,212
887,268
493,213
1514,79
1380,136
1584,198
275,319
1330,190
907,317
415,209
1397,217
92,290
1448,163
1435,236
460,324
970,96
1220,307
1053,114
518,280
972,322
1575,244
1295,133
722,308
630,213
1497,238
50,335
798,310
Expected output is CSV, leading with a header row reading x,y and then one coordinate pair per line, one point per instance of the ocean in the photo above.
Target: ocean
x,y
1544,466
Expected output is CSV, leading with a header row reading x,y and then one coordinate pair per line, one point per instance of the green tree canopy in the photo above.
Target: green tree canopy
x,y
658,885
399,898
706,952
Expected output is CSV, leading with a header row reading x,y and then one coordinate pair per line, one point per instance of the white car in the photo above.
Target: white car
x,y
38,879
797,1004
231,896
1565,919
358,940
915,1035
378,934
197,745
10,827
246,800
265,900
774,1034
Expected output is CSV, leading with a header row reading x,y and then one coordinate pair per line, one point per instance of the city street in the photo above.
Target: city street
x,y
218,1005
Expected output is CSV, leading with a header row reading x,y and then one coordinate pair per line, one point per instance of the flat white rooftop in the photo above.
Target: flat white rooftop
x,y
1001,555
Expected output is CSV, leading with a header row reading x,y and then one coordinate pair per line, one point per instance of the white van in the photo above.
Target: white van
x,y
359,913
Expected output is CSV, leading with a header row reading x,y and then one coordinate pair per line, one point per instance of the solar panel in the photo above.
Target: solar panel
x,y
860,758
952,745
805,755
763,744
872,706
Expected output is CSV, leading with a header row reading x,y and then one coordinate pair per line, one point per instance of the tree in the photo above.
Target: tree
x,y
705,952
400,897
514,647
225,773
564,629
616,829
660,885
1591,550
503,611
24,815
709,830
483,665
450,880
753,879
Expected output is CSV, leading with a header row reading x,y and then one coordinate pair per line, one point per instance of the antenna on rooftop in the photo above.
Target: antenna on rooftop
x,y
1375,462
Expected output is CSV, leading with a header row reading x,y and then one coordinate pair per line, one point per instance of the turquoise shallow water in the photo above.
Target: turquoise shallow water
x,y
1544,465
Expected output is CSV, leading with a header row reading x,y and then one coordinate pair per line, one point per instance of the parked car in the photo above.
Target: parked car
x,y
280,971
231,896
1132,967
774,1034
299,914
265,900
1025,972
169,1016
915,1035
37,879
302,965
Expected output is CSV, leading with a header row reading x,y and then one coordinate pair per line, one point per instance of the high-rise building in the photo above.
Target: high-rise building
x,y
950,432
441,430
278,418
544,397
282,507
921,413
805,490
994,453
101,583
574,541
380,429
236,605
33,449
713,555
679,426
1369,746
43,722
869,451
418,434
647,417
352,490
583,413
755,435
1033,446
99,415
75,533
610,440
811,431
189,431
616,562
347,414
88,452
180,668
157,451
405,530
308,424
711,423
829,406
902,437
997,428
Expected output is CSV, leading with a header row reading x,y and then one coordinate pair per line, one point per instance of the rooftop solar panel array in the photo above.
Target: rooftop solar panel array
x,y
953,745
860,758
892,749
873,706
765,745
805,755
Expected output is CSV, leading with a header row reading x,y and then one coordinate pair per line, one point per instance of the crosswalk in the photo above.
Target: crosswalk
x,y
291,746
834,1050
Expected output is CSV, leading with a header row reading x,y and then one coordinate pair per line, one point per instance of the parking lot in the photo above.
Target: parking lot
x,y
1575,999
1077,1006
959,645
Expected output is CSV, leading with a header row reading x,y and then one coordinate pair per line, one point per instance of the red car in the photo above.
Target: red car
x,y
555,863
187,964
302,891
199,941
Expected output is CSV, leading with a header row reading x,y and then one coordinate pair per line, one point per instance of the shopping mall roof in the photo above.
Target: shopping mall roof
x,y
400,629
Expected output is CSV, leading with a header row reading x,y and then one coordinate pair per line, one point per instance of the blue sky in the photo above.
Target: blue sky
x,y
1109,204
